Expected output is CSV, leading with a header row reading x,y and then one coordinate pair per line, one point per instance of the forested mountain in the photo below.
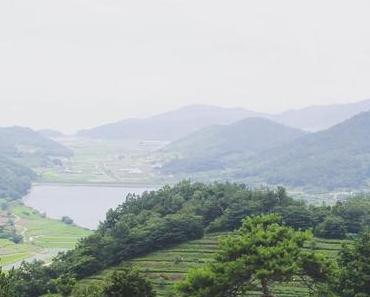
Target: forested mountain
x,y
15,180
335,158
315,118
218,147
171,125
18,142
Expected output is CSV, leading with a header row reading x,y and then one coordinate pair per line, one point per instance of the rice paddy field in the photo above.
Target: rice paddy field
x,y
106,162
43,238
164,268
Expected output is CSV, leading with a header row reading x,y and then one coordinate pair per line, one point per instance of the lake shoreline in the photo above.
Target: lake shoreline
x,y
86,205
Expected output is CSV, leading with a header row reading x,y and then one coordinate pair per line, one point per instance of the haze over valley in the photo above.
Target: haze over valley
x,y
175,148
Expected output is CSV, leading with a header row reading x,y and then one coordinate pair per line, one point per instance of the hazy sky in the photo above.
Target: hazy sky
x,y
72,64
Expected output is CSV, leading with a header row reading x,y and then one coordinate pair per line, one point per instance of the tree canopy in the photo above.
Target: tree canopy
x,y
261,253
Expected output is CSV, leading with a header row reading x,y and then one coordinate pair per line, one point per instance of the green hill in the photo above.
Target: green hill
x,y
156,222
219,147
21,149
165,267
15,180
19,142
257,151
332,159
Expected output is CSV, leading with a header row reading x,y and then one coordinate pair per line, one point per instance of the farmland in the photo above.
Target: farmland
x,y
106,162
164,268
43,238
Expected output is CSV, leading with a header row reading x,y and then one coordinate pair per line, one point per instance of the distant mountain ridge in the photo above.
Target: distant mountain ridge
x,y
336,158
181,122
316,118
17,141
171,125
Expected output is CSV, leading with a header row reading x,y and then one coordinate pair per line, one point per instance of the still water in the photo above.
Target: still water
x,y
86,205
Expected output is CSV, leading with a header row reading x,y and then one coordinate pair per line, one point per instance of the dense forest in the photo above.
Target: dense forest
x,y
180,213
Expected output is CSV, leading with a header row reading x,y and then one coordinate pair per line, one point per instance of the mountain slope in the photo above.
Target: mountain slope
x,y
335,158
15,180
21,147
179,123
317,118
171,125
219,146
16,142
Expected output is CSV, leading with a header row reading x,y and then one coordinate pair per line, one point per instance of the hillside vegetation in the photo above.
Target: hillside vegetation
x,y
24,143
172,215
220,147
333,159
38,237
15,179
20,150
166,267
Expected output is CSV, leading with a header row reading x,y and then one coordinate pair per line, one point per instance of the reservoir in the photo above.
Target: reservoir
x,y
86,205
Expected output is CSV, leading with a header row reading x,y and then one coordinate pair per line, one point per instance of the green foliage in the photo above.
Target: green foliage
x,y
261,253
165,217
127,283
15,180
354,280
355,213
177,214
33,280
333,228
217,147
67,220
64,285
93,290
297,217
336,158
6,285
29,148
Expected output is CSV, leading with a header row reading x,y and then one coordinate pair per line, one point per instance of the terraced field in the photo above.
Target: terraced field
x,y
168,266
43,238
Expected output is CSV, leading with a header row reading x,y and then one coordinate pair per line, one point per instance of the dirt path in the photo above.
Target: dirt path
x,y
43,255
24,229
